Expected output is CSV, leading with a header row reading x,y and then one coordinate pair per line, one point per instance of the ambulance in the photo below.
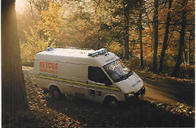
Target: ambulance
x,y
96,75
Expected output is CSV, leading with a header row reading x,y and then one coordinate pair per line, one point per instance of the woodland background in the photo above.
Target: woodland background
x,y
155,35
155,38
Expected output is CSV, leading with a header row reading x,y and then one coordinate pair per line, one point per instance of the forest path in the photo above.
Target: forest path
x,y
169,90
158,91
161,100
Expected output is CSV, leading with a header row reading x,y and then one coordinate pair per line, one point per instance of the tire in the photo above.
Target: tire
x,y
55,92
45,91
111,102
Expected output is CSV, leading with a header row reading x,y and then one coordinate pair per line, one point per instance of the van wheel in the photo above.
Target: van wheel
x,y
111,102
56,94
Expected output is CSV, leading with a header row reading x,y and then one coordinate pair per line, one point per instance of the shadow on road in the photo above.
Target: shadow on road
x,y
181,93
142,113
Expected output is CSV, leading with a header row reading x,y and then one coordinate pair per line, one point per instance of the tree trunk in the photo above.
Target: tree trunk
x,y
126,15
184,56
140,34
189,53
189,49
164,47
13,87
181,41
155,26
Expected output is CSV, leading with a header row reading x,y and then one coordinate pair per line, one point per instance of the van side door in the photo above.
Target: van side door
x,y
98,83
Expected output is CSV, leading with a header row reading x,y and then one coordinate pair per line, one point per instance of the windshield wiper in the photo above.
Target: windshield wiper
x,y
130,73
123,77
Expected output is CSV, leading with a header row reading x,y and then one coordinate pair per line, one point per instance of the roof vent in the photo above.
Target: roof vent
x,y
49,49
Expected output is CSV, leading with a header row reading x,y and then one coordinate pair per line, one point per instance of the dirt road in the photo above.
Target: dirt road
x,y
156,91
152,111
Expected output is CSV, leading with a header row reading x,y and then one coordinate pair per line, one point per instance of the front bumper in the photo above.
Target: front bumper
x,y
142,91
136,95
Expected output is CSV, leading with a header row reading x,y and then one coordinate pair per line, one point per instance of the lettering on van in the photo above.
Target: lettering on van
x,y
48,67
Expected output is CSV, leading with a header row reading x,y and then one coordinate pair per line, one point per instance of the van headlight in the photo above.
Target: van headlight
x,y
129,94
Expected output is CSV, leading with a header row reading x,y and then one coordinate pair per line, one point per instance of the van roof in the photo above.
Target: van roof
x,y
96,57
67,52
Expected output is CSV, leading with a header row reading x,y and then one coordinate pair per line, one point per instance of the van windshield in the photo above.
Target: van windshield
x,y
117,71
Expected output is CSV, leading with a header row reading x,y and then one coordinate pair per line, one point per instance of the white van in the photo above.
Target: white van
x,y
96,75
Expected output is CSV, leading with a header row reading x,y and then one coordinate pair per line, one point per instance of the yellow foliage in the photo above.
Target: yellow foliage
x,y
115,47
33,45
52,22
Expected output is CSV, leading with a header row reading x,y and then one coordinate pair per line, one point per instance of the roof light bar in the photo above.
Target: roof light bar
x,y
49,49
98,52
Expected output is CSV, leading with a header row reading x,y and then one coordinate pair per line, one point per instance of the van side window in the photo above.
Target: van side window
x,y
97,75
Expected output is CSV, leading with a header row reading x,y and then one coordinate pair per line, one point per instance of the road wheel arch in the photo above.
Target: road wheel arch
x,y
55,92
110,101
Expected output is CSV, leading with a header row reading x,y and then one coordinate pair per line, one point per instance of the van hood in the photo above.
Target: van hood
x,y
131,85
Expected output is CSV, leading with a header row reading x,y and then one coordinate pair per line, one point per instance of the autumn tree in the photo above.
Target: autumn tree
x,y
126,7
45,32
13,86
51,25
140,32
182,38
155,26
164,47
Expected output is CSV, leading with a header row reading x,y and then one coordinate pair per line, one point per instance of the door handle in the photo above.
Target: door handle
x,y
91,92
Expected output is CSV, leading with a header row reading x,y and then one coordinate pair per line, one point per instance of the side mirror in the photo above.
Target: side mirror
x,y
125,69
